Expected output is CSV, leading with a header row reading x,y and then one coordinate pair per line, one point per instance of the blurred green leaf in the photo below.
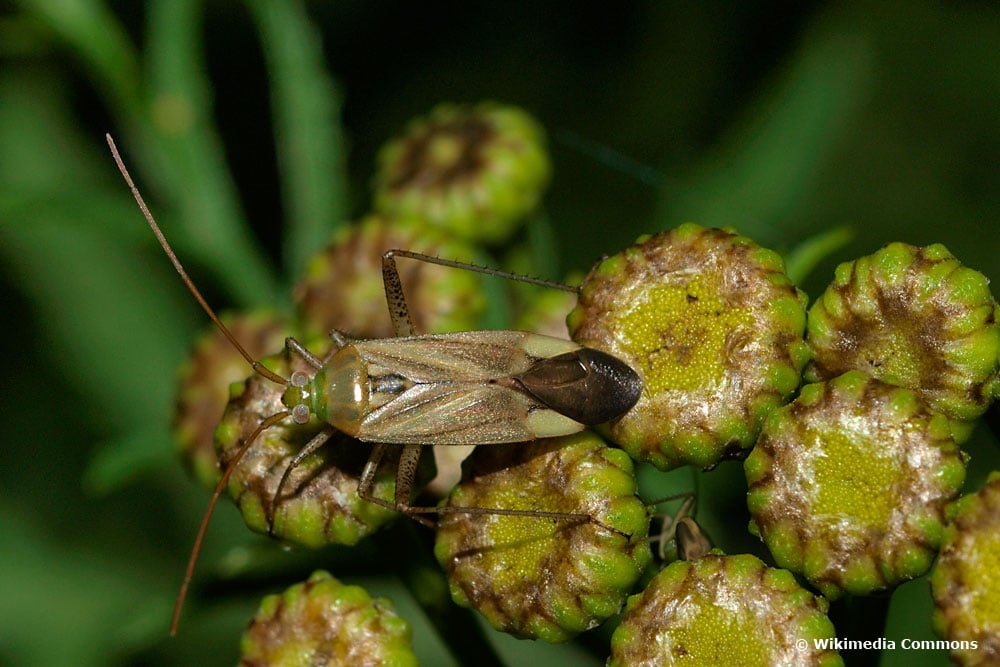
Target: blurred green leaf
x,y
312,150
762,175
95,34
61,611
122,460
101,304
191,155
801,260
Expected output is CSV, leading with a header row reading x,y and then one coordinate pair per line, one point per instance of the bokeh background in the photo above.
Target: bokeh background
x,y
252,128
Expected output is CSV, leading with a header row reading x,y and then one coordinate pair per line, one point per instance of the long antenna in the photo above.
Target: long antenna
x,y
256,365
196,549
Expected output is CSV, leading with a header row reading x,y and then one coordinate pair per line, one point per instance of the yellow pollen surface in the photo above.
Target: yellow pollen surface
x,y
445,149
678,334
853,478
981,568
896,359
532,538
715,635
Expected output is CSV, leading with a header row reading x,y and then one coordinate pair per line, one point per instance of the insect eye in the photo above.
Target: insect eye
x,y
299,379
300,413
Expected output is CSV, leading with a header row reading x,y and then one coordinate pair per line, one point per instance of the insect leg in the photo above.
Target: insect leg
x,y
671,522
407,471
404,481
298,348
465,266
394,297
570,517
340,339
317,441
405,474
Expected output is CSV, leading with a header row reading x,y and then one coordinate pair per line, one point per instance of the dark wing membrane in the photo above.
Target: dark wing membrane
x,y
452,414
468,356
587,385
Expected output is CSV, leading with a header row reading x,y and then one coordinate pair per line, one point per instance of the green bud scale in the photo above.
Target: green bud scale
x,y
916,318
537,577
721,611
966,579
323,622
848,484
713,326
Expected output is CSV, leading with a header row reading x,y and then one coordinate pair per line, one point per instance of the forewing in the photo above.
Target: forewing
x,y
452,414
458,389
472,356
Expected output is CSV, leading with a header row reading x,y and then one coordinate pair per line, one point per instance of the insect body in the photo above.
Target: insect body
x,y
476,387
471,388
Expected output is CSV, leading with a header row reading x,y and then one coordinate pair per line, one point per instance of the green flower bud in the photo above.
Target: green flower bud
x,y
320,502
723,610
537,309
475,172
203,385
713,326
536,577
848,484
343,287
965,582
916,318
325,622
545,313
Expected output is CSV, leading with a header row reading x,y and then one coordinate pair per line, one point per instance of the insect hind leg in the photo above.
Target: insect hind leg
x,y
405,474
398,309
389,258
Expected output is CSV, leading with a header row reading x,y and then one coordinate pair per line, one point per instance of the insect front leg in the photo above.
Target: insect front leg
x,y
298,348
312,446
301,415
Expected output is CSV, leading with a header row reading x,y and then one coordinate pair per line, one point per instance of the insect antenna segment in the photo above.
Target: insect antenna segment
x,y
257,366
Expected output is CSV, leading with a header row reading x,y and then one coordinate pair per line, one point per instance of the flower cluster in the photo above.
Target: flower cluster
x,y
850,478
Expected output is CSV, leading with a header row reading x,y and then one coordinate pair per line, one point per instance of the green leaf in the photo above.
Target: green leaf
x,y
191,158
801,260
312,152
768,168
